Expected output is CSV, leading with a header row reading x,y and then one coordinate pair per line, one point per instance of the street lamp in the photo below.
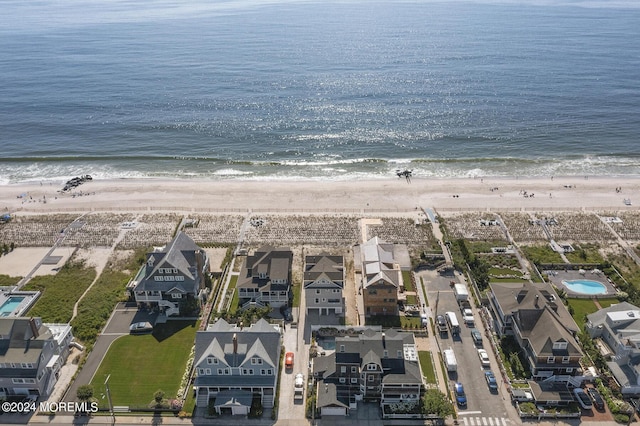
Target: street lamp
x,y
106,385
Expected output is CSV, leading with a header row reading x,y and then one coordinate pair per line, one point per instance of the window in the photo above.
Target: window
x,y
158,278
371,378
179,278
565,359
341,348
220,371
263,372
317,291
270,372
226,371
317,300
372,291
560,345
569,369
343,369
371,367
256,361
207,371
343,380
354,369
354,380
551,359
385,353
176,296
212,360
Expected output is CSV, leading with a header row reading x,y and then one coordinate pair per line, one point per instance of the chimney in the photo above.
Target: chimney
x,y
235,343
34,327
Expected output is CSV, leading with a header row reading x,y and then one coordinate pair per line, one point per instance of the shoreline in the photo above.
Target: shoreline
x,y
393,194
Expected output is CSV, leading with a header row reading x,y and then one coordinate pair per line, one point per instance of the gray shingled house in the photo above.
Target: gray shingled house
x,y
323,284
541,325
373,366
236,364
31,355
172,277
619,327
265,278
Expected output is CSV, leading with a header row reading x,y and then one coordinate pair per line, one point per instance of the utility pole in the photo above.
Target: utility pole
x,y
106,385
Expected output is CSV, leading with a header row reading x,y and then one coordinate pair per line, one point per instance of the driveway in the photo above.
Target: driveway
x,y
117,325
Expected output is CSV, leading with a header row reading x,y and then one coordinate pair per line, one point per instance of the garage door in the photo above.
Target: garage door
x,y
240,411
333,411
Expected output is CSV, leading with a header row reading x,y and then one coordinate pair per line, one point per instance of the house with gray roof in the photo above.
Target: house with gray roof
x,y
381,278
173,278
234,364
541,325
618,326
31,355
373,366
265,278
323,284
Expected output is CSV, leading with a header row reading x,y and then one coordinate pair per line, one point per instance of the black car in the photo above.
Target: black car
x,y
441,324
597,399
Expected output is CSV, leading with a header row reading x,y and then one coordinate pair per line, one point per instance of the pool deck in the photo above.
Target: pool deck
x,y
556,277
30,298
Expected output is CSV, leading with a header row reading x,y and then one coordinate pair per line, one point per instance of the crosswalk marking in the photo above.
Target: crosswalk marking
x,y
485,421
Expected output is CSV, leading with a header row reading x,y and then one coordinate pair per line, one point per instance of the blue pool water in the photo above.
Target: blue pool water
x,y
10,305
586,286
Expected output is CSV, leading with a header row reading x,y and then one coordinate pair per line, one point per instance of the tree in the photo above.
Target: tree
x,y
85,393
436,402
158,396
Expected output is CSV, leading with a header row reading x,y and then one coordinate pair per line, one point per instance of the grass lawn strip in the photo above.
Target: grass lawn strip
x,y
140,365
426,364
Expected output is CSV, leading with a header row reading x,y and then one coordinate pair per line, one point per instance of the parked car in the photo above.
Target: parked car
x,y
484,358
441,324
476,336
582,398
288,360
140,327
491,381
598,401
298,387
461,397
467,316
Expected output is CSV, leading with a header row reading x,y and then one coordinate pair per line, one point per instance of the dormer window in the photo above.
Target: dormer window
x,y
151,261
372,367
560,345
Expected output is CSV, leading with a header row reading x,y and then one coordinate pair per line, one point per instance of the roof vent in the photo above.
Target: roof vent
x,y
630,314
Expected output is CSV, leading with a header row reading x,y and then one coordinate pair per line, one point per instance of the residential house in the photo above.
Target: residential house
x,y
234,364
541,325
374,366
323,284
265,278
173,278
619,327
31,355
381,278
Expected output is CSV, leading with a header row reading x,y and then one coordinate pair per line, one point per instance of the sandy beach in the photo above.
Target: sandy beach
x,y
588,193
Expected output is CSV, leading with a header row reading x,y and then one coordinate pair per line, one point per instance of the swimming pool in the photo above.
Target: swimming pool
x,y
585,286
10,305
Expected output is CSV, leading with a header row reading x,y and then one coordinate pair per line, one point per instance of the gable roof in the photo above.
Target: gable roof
x,y
324,268
378,264
274,263
260,339
182,254
23,341
539,317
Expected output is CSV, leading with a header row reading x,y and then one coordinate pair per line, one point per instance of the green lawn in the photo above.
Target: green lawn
x,y
426,364
7,281
411,299
584,307
233,307
141,365
406,279
297,290
581,308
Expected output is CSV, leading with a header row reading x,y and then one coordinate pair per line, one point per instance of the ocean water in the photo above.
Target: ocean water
x,y
331,90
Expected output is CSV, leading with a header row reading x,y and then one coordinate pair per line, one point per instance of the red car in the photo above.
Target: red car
x,y
288,360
